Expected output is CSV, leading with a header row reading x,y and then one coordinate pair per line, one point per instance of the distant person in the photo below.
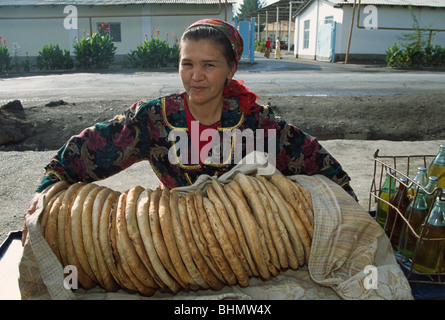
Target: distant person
x,y
278,49
268,46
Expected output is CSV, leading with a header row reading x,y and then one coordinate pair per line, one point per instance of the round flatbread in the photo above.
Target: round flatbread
x,y
250,229
211,279
134,233
274,232
213,244
110,274
181,242
84,279
287,220
225,220
130,255
199,238
291,256
61,219
158,238
76,227
285,186
305,198
87,232
143,217
219,189
107,280
251,194
51,224
167,205
48,194
225,243
124,279
130,262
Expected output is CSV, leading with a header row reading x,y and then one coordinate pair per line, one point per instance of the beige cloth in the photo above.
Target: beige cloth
x,y
346,240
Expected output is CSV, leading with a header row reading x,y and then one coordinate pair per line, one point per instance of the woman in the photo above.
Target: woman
x,y
209,53
278,49
268,46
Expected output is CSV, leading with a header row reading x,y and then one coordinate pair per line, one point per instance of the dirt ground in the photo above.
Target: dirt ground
x,y
389,117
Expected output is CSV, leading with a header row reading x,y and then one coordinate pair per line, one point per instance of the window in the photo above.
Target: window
x,y
307,24
114,28
329,19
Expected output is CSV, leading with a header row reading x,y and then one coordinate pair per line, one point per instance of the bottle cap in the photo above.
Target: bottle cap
x,y
421,168
433,178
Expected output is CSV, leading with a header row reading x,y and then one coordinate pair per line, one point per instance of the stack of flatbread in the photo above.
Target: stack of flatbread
x,y
144,240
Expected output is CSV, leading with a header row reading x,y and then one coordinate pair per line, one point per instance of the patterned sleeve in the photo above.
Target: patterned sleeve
x,y
300,153
101,150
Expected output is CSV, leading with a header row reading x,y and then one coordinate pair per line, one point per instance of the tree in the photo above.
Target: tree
x,y
248,7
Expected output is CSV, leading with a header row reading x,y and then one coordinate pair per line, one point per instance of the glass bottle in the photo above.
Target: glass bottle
x,y
421,178
437,167
416,212
432,184
386,193
429,252
394,222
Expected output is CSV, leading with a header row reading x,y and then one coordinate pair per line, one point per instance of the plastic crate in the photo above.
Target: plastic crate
x,y
405,166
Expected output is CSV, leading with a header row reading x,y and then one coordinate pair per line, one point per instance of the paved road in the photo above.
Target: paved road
x,y
289,76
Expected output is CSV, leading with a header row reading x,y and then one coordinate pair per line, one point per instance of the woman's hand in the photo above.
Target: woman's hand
x,y
29,211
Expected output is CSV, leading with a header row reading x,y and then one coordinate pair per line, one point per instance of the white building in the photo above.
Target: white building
x,y
34,23
375,27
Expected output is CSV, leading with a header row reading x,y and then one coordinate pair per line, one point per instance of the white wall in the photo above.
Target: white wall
x,y
377,41
316,12
33,34
364,41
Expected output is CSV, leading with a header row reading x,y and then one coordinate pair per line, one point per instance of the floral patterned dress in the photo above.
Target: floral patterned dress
x,y
153,131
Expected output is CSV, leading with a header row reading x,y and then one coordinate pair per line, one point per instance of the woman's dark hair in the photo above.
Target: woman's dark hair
x,y
208,33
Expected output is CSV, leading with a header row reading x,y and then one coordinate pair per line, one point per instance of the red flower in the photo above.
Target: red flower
x,y
247,98
145,35
107,29
106,23
157,32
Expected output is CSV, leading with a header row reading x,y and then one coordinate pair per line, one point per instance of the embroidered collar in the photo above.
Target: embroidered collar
x,y
173,113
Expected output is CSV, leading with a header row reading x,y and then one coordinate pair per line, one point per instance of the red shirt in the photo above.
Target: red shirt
x,y
268,42
197,142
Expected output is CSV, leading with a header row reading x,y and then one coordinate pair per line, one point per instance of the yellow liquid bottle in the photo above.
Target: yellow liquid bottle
x,y
437,167
386,193
429,248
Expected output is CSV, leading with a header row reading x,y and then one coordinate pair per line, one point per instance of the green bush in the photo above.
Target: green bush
x,y
260,46
51,57
415,49
5,58
95,52
415,56
154,53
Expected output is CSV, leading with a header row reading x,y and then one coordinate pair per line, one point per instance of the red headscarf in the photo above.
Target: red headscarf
x,y
233,88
